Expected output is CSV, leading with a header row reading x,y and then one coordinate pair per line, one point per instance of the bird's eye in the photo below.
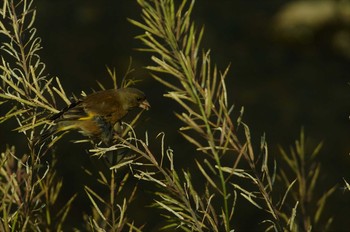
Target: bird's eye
x,y
139,99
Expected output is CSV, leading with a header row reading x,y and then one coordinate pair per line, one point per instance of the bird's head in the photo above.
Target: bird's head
x,y
134,98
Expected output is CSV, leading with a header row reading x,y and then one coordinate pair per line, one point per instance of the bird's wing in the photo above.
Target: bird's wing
x,y
74,111
102,103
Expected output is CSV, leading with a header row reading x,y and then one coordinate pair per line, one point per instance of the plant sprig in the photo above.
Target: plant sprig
x,y
200,88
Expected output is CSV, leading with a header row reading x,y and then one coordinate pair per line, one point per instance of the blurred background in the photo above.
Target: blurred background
x,y
290,65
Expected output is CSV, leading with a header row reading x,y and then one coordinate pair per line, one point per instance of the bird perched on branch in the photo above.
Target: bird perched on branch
x,y
96,114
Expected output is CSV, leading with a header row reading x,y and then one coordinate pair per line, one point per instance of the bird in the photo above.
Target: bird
x,y
96,114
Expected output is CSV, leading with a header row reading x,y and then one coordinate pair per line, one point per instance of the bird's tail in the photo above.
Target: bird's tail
x,y
59,124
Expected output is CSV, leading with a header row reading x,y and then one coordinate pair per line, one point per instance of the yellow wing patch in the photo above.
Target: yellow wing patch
x,y
64,128
88,117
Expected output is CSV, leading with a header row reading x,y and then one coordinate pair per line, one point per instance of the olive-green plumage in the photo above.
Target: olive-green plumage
x,y
96,114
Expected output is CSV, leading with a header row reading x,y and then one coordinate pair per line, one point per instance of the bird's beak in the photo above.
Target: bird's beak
x,y
145,105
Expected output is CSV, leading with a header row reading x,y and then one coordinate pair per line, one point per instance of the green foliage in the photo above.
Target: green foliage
x,y
29,195
228,163
108,214
306,170
197,86
29,189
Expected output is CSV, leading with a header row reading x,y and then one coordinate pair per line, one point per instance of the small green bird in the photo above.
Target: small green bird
x,y
96,114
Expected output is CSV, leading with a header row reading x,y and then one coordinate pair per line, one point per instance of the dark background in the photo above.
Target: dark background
x,y
285,79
